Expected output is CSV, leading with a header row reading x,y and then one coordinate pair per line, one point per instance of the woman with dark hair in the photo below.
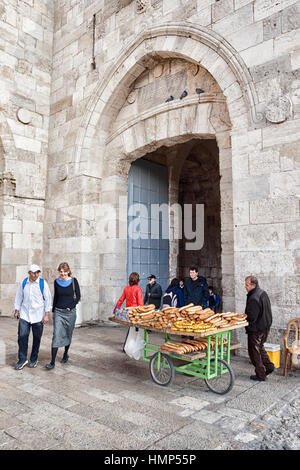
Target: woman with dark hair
x,y
132,293
66,297
174,295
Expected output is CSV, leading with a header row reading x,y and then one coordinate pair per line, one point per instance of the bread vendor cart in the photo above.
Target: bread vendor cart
x,y
212,363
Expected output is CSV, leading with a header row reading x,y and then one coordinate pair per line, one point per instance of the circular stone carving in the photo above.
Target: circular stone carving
x,y
131,97
24,115
278,110
62,173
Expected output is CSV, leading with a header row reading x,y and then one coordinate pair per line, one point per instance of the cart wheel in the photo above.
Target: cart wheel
x,y
161,369
222,383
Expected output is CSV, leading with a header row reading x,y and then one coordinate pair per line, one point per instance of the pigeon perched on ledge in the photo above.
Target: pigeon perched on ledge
x,y
199,91
183,94
169,99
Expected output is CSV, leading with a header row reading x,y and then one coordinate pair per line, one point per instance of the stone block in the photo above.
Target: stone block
x,y
281,134
247,37
264,237
285,184
291,18
252,188
286,43
292,239
264,162
271,69
234,22
12,226
258,54
265,8
11,256
274,210
265,262
28,144
221,9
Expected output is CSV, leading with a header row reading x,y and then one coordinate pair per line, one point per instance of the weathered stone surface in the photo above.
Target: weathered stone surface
x,y
93,101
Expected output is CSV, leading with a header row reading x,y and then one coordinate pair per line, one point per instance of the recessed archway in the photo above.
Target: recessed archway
x,y
104,150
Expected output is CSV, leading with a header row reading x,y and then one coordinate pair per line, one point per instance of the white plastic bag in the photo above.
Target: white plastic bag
x,y
134,344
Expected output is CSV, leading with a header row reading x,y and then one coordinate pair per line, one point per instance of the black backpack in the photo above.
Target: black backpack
x,y
170,299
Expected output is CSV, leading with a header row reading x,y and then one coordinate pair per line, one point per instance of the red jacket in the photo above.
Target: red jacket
x,y
133,295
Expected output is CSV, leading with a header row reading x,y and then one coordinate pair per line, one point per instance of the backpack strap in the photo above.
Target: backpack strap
x,y
41,285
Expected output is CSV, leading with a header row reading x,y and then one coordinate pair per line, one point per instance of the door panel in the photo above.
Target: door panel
x,y
148,252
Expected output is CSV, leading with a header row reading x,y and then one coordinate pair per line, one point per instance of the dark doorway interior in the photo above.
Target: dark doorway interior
x,y
200,184
194,178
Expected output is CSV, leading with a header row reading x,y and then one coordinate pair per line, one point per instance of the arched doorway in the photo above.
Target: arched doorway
x,y
192,197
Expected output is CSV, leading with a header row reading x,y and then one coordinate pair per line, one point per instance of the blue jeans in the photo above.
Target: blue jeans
x,y
23,335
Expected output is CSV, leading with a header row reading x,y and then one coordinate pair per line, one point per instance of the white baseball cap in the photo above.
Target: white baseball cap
x,y
34,268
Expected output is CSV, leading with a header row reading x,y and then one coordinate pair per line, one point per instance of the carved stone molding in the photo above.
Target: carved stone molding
x,y
141,5
24,115
146,42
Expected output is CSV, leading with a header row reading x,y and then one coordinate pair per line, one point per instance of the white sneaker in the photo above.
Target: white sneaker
x,y
20,365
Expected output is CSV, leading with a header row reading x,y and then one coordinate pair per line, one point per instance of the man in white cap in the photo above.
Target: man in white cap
x,y
32,307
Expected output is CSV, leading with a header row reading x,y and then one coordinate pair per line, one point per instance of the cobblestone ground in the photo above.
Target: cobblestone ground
x,y
101,399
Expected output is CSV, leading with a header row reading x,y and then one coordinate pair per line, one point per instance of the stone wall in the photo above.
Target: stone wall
x,y
101,50
26,31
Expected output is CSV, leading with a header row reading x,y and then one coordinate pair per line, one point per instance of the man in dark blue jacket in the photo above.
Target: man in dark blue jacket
x,y
196,289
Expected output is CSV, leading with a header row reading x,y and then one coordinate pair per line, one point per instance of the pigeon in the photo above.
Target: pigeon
x,y
183,94
170,98
199,91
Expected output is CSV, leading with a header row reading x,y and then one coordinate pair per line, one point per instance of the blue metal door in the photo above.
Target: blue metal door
x,y
148,237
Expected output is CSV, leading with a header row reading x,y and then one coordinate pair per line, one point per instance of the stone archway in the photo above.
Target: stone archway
x,y
198,45
173,125
104,151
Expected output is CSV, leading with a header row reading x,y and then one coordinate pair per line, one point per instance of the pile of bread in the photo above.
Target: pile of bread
x,y
190,318
188,345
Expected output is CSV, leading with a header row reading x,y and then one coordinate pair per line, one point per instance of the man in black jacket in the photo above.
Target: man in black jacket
x,y
196,289
259,317
153,292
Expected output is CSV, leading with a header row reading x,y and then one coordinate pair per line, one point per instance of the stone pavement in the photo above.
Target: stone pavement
x,y
102,399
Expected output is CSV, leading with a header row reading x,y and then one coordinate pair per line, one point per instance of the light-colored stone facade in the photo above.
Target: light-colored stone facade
x,y
83,89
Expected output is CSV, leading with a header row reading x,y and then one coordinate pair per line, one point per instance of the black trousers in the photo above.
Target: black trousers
x,y
258,354
23,336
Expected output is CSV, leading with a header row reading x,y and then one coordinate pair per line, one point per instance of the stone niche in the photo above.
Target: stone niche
x,y
165,78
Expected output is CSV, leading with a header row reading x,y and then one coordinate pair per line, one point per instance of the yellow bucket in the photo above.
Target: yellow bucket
x,y
273,351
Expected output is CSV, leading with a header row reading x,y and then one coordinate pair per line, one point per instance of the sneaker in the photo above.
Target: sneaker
x,y
254,377
50,366
33,364
64,359
21,364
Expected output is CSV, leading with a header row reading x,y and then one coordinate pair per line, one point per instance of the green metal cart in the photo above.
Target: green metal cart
x,y
211,365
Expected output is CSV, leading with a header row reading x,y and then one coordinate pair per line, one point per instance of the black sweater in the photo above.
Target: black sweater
x,y
258,310
64,296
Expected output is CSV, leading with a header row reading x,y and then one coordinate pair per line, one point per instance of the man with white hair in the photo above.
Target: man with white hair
x,y
32,307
